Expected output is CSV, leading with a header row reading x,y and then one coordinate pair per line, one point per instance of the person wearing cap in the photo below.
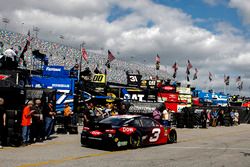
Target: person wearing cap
x,y
37,127
49,117
26,122
2,120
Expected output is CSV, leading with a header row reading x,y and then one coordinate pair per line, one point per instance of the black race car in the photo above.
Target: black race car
x,y
127,130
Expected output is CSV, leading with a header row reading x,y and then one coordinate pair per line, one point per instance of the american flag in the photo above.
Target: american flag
x,y
189,65
111,57
28,40
195,74
238,79
175,66
210,76
157,59
226,79
84,54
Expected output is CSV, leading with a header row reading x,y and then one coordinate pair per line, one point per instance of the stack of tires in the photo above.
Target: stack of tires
x,y
190,119
180,120
197,119
14,130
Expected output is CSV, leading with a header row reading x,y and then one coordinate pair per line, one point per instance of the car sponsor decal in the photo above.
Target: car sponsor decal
x,y
3,77
96,133
156,134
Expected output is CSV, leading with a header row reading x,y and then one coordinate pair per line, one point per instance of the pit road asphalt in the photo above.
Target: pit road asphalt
x,y
215,146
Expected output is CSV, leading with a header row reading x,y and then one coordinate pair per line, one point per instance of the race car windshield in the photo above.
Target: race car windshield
x,y
114,121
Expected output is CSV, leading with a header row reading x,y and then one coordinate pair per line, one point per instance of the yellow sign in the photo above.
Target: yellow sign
x,y
112,97
99,78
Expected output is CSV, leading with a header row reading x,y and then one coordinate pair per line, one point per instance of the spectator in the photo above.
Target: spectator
x,y
204,119
67,116
2,121
221,117
37,126
236,118
49,119
214,116
232,116
157,114
10,53
26,122
166,118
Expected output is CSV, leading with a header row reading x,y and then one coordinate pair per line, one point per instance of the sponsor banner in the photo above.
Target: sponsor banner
x,y
168,97
183,90
144,84
185,98
99,78
143,108
152,84
134,79
55,71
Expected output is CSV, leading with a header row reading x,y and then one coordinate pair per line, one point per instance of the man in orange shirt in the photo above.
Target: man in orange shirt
x,y
67,116
26,122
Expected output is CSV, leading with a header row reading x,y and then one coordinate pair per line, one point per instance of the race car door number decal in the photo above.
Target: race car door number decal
x,y
156,134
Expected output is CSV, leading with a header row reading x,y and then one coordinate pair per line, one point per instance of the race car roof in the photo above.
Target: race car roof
x,y
126,116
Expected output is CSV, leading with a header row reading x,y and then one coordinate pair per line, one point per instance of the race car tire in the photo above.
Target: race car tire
x,y
172,137
135,141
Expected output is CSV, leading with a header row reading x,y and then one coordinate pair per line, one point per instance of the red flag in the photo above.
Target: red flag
x,y
111,57
84,54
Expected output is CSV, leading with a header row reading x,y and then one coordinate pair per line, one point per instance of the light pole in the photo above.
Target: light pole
x,y
5,21
36,30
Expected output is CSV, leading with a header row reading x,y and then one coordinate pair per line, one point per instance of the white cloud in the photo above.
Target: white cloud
x,y
243,7
173,34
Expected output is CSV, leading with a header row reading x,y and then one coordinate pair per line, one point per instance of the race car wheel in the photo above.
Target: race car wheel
x,y
172,137
135,141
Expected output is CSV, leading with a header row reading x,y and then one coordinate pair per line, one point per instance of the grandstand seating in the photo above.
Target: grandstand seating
x,y
68,56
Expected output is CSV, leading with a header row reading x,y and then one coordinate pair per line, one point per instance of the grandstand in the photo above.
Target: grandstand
x,y
67,56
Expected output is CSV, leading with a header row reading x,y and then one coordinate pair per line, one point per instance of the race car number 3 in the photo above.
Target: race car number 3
x,y
156,134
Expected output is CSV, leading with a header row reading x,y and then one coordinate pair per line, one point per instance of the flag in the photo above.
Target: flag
x,y
240,86
97,71
107,64
157,59
111,57
210,76
189,65
226,79
239,83
84,55
195,74
28,40
238,79
157,62
175,67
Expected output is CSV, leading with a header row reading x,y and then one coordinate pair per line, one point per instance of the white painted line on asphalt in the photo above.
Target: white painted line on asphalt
x,y
212,148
